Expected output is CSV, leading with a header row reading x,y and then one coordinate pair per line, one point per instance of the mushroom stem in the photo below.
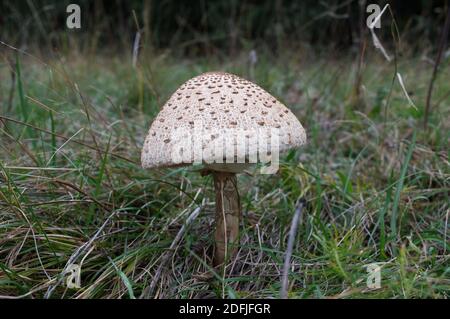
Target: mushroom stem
x,y
228,214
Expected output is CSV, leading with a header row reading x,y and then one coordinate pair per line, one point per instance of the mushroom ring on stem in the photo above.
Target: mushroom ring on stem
x,y
227,124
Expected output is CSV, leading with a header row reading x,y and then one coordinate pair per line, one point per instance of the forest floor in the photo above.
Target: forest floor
x,y
374,184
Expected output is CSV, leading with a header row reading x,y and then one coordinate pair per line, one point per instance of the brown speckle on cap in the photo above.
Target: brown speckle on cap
x,y
220,102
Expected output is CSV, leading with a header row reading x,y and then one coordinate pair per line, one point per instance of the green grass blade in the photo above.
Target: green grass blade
x,y
395,206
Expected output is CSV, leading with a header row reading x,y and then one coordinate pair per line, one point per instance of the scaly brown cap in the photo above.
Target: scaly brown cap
x,y
223,103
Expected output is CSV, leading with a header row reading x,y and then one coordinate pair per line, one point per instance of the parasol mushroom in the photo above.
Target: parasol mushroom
x,y
226,124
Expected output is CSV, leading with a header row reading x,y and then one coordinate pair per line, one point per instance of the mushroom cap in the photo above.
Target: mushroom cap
x,y
219,107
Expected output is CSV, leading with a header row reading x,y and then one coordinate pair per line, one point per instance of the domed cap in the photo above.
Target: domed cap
x,y
219,107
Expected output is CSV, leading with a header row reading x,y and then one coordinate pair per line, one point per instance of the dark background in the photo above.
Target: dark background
x,y
205,27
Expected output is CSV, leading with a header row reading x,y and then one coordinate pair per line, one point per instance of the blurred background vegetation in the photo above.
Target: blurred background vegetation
x,y
214,27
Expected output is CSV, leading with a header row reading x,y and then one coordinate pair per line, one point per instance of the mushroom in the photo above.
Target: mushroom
x,y
226,124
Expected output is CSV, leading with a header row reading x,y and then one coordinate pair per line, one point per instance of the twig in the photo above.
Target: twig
x,y
376,42
290,247
136,48
442,45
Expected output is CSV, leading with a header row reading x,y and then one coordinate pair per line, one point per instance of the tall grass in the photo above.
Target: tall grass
x,y
375,187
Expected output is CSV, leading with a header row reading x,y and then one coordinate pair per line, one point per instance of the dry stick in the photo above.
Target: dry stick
x,y
168,254
442,45
290,247
136,48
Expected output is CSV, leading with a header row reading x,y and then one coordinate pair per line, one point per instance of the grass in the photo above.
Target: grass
x,y
375,184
